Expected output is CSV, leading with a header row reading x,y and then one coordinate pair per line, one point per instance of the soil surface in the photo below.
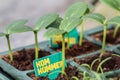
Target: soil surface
x,y
77,50
70,71
23,59
112,64
110,40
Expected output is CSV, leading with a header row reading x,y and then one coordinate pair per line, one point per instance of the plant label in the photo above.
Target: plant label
x,y
50,66
73,39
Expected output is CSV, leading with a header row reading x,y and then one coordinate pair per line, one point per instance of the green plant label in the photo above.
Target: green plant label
x,y
49,66
73,39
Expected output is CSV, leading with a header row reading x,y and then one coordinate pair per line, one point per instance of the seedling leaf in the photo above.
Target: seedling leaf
x,y
20,29
45,21
76,10
14,24
90,7
2,34
95,16
55,24
52,32
112,3
69,24
115,20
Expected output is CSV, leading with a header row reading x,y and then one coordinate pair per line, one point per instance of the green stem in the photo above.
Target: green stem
x,y
81,34
104,39
68,43
9,47
63,53
115,31
36,45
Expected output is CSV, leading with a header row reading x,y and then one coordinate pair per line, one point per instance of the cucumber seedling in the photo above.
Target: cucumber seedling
x,y
41,23
115,4
65,27
101,19
17,26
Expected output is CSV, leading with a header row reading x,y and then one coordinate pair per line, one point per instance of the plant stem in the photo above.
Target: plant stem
x,y
68,43
81,34
104,39
115,31
36,45
63,53
9,47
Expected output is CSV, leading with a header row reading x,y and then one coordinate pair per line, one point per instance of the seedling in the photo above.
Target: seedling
x,y
66,26
115,4
94,75
17,26
42,22
69,22
101,19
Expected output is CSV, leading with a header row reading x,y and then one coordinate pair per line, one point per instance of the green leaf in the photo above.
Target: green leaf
x,y
74,77
45,21
76,10
20,29
95,16
118,2
90,7
115,20
112,3
53,32
55,24
2,34
16,23
69,24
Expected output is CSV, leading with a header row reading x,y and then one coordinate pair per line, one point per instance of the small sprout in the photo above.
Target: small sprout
x,y
17,26
43,22
89,74
66,26
115,4
101,19
101,63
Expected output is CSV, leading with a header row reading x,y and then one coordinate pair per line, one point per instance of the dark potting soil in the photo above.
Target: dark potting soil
x,y
110,40
23,59
70,71
77,50
112,64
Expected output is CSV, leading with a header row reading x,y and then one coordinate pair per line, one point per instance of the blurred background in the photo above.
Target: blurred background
x,y
11,10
